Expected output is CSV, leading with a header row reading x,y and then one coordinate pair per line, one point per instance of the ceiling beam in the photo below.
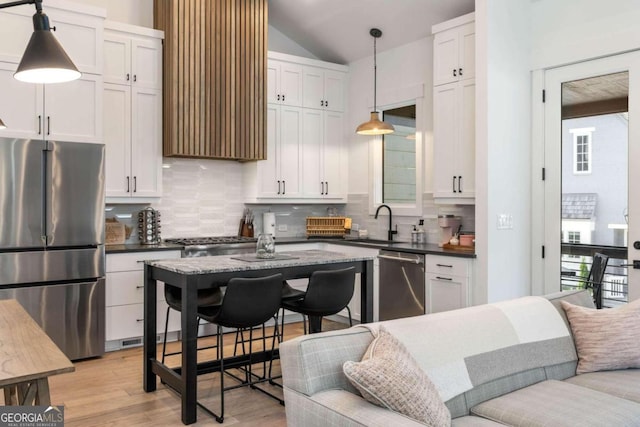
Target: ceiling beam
x,y
596,108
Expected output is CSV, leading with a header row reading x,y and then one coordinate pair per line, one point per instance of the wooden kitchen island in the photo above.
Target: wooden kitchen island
x,y
191,274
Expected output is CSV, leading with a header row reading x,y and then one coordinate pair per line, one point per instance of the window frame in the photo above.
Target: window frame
x,y
576,134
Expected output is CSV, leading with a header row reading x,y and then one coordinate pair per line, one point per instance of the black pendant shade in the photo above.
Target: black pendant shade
x,y
44,59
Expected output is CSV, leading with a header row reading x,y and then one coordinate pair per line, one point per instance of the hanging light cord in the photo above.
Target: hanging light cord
x,y
375,74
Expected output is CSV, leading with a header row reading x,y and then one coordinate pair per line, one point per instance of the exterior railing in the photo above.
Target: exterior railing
x,y
576,263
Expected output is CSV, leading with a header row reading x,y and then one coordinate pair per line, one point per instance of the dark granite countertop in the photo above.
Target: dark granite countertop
x,y
425,249
136,247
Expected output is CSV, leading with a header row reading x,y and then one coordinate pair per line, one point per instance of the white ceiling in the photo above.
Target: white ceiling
x,y
338,30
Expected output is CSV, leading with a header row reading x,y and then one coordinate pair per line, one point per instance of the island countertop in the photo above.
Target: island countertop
x,y
230,263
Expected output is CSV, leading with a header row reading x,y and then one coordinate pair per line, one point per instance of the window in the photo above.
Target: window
x,y
573,237
582,150
399,156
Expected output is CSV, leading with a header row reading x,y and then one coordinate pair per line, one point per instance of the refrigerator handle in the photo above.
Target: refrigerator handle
x,y
47,167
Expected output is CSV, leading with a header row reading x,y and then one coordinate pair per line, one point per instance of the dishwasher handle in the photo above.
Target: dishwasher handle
x,y
395,258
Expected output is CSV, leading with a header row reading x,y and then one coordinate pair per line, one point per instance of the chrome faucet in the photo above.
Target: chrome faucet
x,y
390,232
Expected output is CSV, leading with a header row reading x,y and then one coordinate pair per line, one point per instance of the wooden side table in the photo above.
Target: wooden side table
x,y
27,357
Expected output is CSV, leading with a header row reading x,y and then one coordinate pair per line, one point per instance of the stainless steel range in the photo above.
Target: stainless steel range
x,y
216,245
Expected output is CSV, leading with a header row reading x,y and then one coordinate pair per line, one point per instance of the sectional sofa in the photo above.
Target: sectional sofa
x,y
509,363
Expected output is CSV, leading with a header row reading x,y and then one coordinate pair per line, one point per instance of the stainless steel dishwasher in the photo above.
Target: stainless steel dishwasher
x,y
402,288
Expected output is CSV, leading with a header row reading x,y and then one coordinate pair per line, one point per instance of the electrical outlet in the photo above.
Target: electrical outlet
x,y
355,227
505,221
282,227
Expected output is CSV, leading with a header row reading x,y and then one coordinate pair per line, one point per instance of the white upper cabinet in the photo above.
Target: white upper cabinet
x,y
454,113
323,89
322,154
305,157
23,115
284,83
133,110
454,54
132,59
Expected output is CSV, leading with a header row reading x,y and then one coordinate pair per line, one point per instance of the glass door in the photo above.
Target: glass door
x,y
590,175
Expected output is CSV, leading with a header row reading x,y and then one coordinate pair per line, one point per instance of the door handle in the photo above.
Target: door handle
x,y
454,73
135,184
282,98
444,278
135,77
635,264
39,124
127,76
284,183
48,125
321,103
460,72
326,103
278,97
278,181
321,188
394,258
444,265
326,187
128,186
459,184
454,184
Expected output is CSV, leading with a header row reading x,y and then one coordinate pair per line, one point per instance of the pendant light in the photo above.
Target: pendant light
x,y
44,60
375,126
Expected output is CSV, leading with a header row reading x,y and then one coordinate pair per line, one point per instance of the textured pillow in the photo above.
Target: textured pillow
x,y
389,377
605,339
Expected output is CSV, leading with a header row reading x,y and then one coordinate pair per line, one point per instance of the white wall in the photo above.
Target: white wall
x,y
503,173
136,12
573,30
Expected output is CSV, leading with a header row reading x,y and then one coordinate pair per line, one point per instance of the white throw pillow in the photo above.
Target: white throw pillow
x,y
388,376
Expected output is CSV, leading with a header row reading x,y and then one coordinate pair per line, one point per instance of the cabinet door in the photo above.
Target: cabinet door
x,y
117,59
273,81
117,140
17,23
146,142
332,155
313,88
73,110
146,63
82,37
334,90
466,150
445,135
446,292
312,152
291,84
267,181
467,51
289,156
23,114
445,57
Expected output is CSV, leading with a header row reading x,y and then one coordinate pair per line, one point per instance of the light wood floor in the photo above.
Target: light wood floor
x,y
107,391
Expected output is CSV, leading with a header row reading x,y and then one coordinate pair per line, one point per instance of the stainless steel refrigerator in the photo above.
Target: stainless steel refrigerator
x,y
52,238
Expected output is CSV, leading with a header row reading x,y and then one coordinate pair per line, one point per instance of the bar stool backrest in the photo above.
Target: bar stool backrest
x,y
250,302
329,291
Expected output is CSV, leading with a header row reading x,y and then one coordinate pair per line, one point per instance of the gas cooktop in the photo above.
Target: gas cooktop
x,y
213,240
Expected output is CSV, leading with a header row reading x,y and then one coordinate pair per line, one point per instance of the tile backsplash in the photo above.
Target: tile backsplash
x,y
204,198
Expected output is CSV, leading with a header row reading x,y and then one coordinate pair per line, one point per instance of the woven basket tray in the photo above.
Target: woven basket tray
x,y
325,226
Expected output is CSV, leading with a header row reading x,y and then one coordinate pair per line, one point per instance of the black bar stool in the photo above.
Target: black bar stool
x,y
173,297
329,292
247,303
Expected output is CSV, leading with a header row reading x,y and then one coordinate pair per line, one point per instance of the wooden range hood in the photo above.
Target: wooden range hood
x,y
214,77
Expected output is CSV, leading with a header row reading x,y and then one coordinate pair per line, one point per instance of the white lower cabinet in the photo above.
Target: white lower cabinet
x,y
448,282
125,299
